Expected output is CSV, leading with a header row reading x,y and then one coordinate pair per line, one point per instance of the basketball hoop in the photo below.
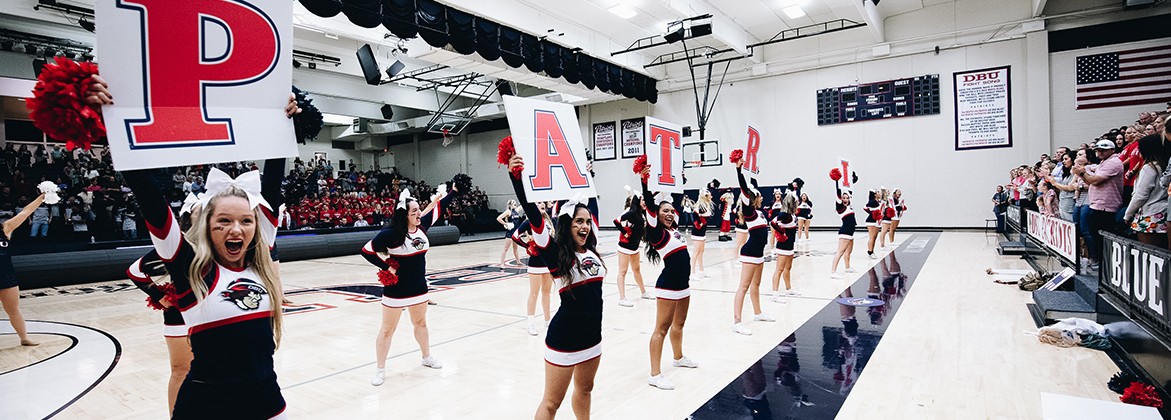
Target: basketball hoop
x,y
447,137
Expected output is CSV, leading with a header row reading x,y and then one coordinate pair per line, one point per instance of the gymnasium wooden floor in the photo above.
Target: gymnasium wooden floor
x,y
955,350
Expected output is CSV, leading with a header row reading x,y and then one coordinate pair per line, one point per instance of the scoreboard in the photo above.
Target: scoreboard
x,y
872,101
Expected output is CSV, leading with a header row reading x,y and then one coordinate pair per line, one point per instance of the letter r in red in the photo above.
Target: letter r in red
x,y
552,150
177,69
750,161
667,141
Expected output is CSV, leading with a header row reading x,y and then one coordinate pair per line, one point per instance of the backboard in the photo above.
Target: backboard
x,y
701,153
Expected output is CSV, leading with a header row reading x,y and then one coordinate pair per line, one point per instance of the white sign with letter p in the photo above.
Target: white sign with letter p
x,y
196,81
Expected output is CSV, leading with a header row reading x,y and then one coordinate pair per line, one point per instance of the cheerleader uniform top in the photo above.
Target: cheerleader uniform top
x,y
849,224
575,332
629,239
805,210
229,330
674,280
699,231
753,250
899,206
536,264
139,273
873,209
409,250
785,225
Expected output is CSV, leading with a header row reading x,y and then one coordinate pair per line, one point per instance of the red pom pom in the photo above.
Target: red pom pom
x,y
835,174
736,156
782,237
387,278
639,165
58,104
890,213
168,290
1139,393
505,152
876,215
532,247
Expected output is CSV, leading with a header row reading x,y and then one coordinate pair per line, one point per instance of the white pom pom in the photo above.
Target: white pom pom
x,y
627,188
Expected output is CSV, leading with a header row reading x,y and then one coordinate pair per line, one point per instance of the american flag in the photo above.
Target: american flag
x,y
1131,77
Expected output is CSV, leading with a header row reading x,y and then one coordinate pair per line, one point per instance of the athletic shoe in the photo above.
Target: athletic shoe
x,y
739,328
379,377
660,381
626,302
648,295
851,270
792,292
705,274
768,258
684,363
533,329
778,298
835,276
432,363
763,317
872,256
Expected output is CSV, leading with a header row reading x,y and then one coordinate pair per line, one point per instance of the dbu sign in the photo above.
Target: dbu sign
x,y
992,75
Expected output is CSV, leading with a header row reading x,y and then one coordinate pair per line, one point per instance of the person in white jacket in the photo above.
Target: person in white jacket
x,y
1147,212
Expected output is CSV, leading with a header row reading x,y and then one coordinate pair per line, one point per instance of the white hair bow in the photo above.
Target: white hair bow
x,y
189,203
567,209
249,182
402,199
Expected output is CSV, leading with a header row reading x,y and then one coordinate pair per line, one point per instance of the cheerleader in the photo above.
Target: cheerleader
x,y
784,223
899,205
845,233
574,339
665,244
751,255
540,282
510,219
873,211
703,210
174,330
741,226
887,213
9,288
726,225
804,216
774,209
403,273
632,227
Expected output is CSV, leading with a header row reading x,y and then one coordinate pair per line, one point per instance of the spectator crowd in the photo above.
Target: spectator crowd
x,y
1118,182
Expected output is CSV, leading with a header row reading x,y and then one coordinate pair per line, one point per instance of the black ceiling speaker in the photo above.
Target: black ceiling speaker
x,y
395,68
674,36
504,87
387,112
687,131
369,65
296,64
701,30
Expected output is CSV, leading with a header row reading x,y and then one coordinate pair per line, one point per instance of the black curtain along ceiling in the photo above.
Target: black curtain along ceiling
x,y
432,19
441,26
487,39
364,13
462,31
323,8
398,17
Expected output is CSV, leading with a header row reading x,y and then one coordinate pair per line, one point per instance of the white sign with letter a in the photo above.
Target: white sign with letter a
x,y
664,152
196,81
547,136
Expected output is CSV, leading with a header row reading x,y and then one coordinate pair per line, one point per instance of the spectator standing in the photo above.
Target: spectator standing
x,y
40,223
1146,213
999,207
1105,194
1065,185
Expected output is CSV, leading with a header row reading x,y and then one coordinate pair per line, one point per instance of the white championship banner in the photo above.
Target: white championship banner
x,y
196,81
1057,234
605,141
547,136
633,138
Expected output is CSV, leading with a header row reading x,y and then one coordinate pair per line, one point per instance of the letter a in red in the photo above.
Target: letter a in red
x,y
552,151
179,68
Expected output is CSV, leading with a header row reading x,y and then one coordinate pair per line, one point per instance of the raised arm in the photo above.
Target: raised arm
x,y
164,229
744,188
15,222
541,234
434,211
652,208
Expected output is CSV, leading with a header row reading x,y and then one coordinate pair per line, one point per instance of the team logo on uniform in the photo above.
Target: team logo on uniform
x,y
591,266
678,236
245,293
418,243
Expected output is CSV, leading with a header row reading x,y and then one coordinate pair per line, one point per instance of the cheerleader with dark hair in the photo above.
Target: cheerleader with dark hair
x,y
574,338
632,227
751,255
540,282
784,224
664,243
899,206
804,217
400,253
845,233
703,210
887,213
873,211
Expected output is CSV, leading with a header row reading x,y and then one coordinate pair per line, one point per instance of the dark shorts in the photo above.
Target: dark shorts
x,y
8,282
